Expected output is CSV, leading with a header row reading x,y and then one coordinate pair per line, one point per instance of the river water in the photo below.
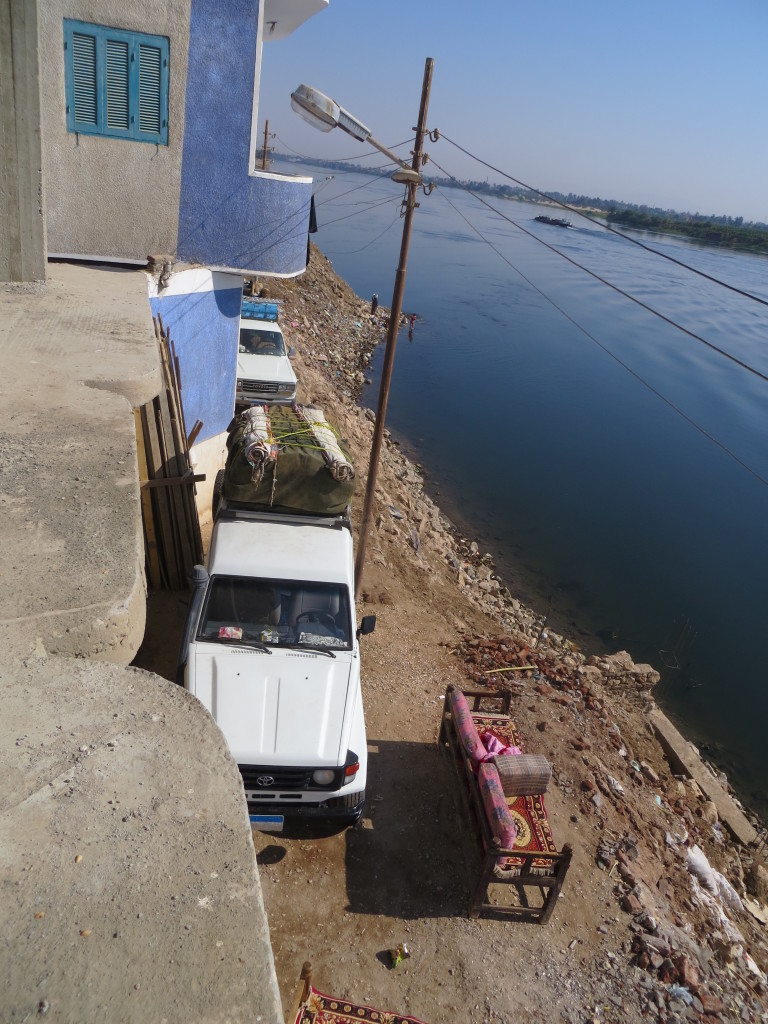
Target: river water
x,y
615,467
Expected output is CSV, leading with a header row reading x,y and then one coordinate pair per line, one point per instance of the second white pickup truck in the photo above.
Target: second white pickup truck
x,y
264,371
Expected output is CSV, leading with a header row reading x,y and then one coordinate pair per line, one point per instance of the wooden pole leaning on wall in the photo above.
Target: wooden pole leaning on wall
x,y
173,541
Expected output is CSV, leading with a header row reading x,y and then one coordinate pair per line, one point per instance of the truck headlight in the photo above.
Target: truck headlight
x,y
286,389
323,776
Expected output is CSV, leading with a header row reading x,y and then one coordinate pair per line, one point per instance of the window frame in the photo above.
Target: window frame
x,y
103,34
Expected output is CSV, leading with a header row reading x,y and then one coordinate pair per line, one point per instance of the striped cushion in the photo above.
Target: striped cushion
x,y
523,774
465,727
495,803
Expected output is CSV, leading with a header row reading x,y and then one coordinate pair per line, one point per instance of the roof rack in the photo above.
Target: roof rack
x,y
241,510
253,309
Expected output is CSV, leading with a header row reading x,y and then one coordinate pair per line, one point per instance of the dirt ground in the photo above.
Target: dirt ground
x,y
632,938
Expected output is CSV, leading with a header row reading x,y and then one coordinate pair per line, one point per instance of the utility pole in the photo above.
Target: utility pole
x,y
264,154
412,187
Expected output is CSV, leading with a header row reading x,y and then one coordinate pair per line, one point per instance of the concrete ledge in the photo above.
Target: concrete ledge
x,y
79,352
129,881
683,757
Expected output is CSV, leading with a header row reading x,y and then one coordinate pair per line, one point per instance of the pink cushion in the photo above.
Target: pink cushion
x,y
495,803
465,727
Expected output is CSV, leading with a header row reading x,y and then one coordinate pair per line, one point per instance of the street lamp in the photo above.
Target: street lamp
x,y
324,113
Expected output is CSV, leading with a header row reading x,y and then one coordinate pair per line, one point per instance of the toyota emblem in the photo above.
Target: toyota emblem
x,y
265,780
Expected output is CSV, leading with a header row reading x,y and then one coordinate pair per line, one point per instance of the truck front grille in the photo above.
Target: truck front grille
x,y
264,387
256,778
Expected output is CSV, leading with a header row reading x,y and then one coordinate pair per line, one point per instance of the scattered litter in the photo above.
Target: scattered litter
x,y
752,966
398,954
699,866
680,992
615,785
757,910
396,513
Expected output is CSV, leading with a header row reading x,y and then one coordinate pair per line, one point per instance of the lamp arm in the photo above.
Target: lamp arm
x,y
388,152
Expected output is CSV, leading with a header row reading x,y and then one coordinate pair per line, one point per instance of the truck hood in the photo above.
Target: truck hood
x,y
272,368
289,707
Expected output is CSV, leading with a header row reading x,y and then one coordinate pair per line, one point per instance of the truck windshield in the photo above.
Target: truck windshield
x,y
276,612
261,343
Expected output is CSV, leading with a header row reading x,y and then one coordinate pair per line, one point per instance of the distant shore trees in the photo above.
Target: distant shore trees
x,y
728,232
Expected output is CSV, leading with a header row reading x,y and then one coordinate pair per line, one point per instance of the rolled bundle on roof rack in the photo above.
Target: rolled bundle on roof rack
x,y
259,445
276,461
338,464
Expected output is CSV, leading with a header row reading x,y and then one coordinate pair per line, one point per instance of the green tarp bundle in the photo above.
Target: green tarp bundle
x,y
299,479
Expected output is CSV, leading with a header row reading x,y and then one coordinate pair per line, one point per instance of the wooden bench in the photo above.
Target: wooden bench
x,y
521,881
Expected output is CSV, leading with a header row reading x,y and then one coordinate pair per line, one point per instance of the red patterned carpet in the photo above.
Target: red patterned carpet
x,y
322,1009
503,728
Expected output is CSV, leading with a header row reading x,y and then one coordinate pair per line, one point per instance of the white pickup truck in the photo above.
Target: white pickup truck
x,y
271,650
264,371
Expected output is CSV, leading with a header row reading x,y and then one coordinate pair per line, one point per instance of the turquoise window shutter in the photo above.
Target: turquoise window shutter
x,y
116,82
117,85
150,66
84,79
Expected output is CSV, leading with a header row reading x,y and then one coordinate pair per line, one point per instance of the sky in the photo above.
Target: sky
x,y
661,103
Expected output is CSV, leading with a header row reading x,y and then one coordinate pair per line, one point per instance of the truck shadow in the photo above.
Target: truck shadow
x,y
405,860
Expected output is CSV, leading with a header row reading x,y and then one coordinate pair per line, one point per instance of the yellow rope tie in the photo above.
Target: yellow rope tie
x,y
274,481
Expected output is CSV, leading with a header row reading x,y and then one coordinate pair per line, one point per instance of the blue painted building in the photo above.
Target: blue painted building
x,y
150,142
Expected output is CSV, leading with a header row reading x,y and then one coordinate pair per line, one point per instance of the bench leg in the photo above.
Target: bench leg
x,y
554,892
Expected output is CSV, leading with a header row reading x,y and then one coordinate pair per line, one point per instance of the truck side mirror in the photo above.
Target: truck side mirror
x,y
292,351
367,625
197,577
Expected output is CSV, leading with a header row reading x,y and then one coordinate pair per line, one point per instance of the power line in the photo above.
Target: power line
x,y
609,284
344,159
352,252
641,380
333,199
369,206
606,227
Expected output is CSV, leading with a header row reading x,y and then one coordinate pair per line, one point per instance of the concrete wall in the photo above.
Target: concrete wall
x,y
22,207
110,197
229,218
201,310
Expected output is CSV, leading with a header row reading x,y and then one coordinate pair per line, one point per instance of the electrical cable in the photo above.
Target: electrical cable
x,y
369,206
614,287
333,199
344,159
641,380
352,252
606,227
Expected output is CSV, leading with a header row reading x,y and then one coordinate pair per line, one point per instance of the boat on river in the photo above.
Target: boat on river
x,y
557,221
